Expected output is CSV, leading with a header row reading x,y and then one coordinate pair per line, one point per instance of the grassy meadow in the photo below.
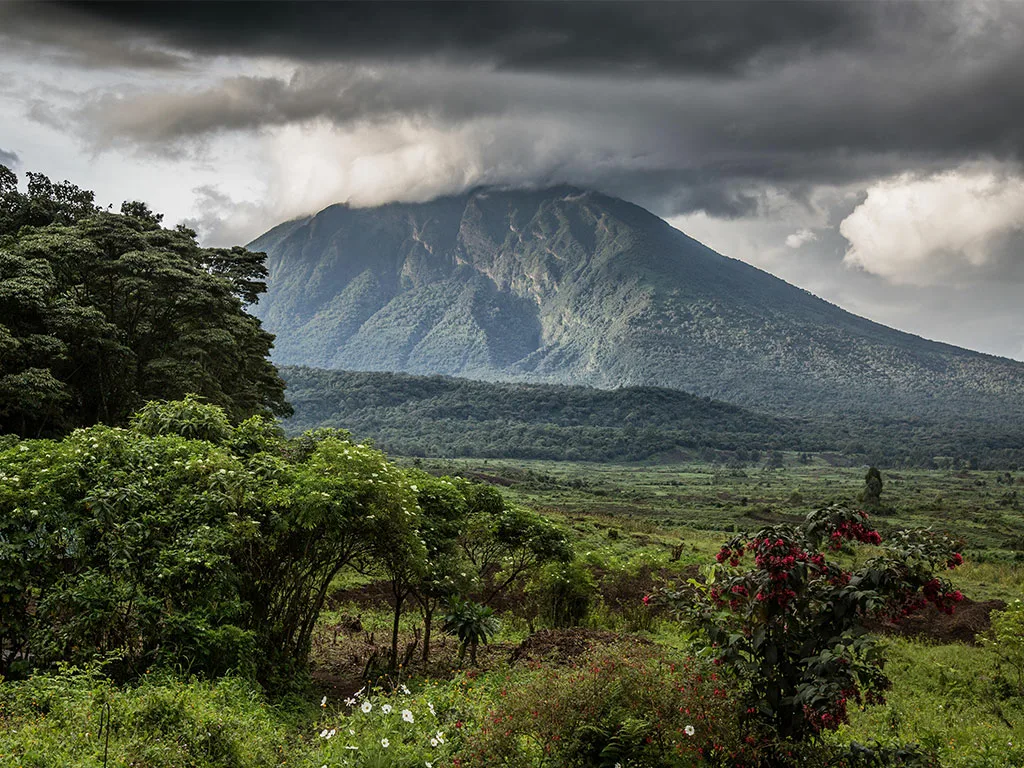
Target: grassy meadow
x,y
633,528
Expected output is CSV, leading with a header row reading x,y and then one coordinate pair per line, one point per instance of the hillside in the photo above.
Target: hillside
x,y
573,287
440,416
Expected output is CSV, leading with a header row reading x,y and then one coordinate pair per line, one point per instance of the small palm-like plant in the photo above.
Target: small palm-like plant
x,y
472,623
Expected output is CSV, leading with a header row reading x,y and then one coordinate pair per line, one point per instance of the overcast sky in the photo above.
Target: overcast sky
x,y
869,152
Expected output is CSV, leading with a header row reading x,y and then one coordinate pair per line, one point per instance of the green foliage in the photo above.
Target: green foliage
x,y
505,543
872,496
122,543
564,593
472,623
101,312
437,416
167,550
631,705
947,699
188,418
57,720
1006,639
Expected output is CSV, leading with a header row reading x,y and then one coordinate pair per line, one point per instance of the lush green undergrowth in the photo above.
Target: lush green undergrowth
x,y
949,698
78,718
946,698
651,657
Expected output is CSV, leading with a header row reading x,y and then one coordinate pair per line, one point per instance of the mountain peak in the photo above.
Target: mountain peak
x,y
564,285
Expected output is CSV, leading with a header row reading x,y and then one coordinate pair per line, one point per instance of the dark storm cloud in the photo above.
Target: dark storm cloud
x,y
834,118
10,159
712,94
630,37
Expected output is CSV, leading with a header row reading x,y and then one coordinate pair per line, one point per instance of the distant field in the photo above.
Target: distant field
x,y
698,503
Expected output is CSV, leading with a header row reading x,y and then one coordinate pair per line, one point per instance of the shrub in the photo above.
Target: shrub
x,y
564,593
630,705
791,626
161,546
1006,639
472,623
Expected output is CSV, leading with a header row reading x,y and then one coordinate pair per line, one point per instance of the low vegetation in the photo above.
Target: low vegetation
x,y
185,591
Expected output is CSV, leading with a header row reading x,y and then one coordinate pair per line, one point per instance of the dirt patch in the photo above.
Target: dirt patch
x,y
969,620
345,656
564,646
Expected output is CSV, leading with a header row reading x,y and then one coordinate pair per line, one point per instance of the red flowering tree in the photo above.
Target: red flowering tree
x,y
790,622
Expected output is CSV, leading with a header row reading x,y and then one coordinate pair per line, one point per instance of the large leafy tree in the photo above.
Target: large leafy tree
x,y
100,312
185,542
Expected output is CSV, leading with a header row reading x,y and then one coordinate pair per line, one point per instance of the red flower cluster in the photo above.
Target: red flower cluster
x,y
733,556
955,560
848,530
944,601
827,721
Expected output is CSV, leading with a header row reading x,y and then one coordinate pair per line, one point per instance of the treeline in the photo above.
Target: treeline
x,y
446,417
184,542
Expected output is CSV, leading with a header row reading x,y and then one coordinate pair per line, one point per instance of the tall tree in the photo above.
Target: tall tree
x,y
100,312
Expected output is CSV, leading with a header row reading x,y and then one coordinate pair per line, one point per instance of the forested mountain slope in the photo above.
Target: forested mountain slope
x,y
568,286
448,417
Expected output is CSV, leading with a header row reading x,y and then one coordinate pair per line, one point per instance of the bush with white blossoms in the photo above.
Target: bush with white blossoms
x,y
378,729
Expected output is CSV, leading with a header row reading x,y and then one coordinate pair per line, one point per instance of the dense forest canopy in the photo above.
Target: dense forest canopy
x,y
447,417
102,311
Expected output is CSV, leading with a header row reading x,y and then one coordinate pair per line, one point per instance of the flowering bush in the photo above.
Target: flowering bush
x,y
627,706
791,625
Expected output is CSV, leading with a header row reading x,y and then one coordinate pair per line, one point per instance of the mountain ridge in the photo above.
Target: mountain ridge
x,y
564,285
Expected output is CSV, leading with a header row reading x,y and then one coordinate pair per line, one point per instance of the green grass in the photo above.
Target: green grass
x,y
56,720
949,698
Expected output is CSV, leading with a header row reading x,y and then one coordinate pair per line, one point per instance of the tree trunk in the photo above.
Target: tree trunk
x,y
428,620
399,599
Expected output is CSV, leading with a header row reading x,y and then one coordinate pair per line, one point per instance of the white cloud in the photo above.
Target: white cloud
x,y
800,238
925,230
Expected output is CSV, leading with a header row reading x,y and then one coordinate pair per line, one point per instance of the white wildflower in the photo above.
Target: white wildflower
x,y
689,730
407,715
385,743
367,706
